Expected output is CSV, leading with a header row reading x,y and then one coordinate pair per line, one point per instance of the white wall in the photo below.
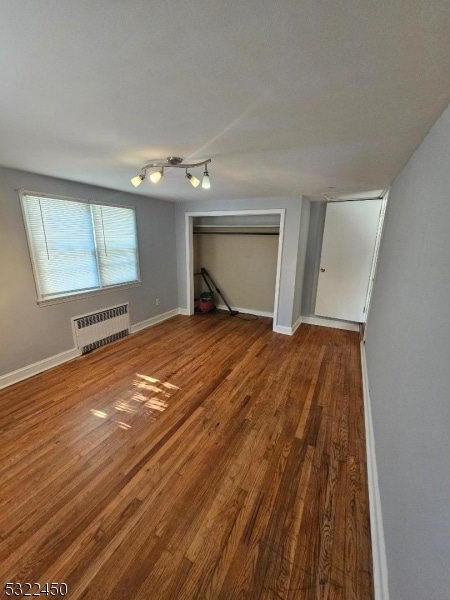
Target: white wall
x,y
30,333
408,357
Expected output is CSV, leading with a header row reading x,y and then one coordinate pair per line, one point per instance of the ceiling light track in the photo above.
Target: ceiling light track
x,y
156,170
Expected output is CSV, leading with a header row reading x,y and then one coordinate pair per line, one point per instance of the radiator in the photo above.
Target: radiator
x,y
100,328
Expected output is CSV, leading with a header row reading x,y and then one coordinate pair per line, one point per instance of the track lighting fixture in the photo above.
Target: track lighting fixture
x,y
176,162
192,179
206,184
156,176
136,181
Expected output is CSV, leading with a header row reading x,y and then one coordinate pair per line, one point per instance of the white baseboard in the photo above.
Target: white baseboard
x,y
288,330
38,367
62,357
282,329
380,573
247,311
183,311
258,313
296,325
155,320
334,323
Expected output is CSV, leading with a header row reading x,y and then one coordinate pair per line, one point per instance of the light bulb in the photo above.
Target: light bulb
x,y
136,181
193,180
206,184
155,176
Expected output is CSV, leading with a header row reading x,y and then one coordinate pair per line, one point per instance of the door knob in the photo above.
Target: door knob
x,y
322,270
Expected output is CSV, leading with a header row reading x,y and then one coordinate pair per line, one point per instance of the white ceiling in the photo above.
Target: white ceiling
x,y
287,97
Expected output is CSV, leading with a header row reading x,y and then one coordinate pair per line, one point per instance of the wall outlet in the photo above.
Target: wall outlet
x,y
157,301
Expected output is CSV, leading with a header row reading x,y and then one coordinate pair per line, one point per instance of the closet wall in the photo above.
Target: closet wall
x,y
240,254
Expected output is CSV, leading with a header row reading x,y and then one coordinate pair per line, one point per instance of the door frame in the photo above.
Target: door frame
x,y
189,238
376,254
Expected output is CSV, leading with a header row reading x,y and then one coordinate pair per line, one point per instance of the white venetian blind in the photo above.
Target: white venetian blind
x,y
63,245
115,232
77,247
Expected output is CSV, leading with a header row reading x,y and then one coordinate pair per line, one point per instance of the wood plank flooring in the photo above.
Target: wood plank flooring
x,y
205,457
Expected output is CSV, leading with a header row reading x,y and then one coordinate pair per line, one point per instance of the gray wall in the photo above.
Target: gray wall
x,y
408,354
313,252
290,249
29,333
301,258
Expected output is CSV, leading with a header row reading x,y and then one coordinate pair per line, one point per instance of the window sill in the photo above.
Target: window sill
x,y
113,288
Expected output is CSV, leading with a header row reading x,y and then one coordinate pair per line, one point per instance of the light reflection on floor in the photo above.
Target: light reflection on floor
x,y
149,398
99,413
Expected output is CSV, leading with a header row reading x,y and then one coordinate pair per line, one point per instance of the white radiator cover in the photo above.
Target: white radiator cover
x,y
96,329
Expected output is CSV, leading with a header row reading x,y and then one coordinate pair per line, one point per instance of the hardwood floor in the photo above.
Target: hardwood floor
x,y
205,457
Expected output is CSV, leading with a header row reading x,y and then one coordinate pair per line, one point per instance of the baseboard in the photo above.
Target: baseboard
x,y
282,329
380,573
334,323
155,320
183,311
247,311
288,330
38,367
296,325
62,357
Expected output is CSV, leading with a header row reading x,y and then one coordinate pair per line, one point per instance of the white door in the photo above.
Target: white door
x,y
347,252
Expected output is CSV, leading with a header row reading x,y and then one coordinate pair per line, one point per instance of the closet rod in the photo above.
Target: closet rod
x,y
233,233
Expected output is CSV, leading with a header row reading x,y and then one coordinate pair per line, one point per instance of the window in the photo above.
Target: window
x,y
79,247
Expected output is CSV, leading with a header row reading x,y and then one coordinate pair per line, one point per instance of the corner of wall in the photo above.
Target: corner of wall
x,y
313,254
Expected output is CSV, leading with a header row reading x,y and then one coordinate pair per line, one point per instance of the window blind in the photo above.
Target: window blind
x,y
115,232
78,247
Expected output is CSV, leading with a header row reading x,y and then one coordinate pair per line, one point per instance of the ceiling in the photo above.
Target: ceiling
x,y
287,97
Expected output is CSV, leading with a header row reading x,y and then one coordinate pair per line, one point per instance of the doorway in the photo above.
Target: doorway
x,y
189,230
349,251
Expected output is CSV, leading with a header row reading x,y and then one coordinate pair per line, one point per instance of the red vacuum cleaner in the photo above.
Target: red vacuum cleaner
x,y
206,303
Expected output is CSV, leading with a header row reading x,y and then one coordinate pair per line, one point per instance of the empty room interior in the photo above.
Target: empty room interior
x,y
225,250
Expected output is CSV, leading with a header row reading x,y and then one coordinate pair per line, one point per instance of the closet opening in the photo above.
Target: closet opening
x,y
242,253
